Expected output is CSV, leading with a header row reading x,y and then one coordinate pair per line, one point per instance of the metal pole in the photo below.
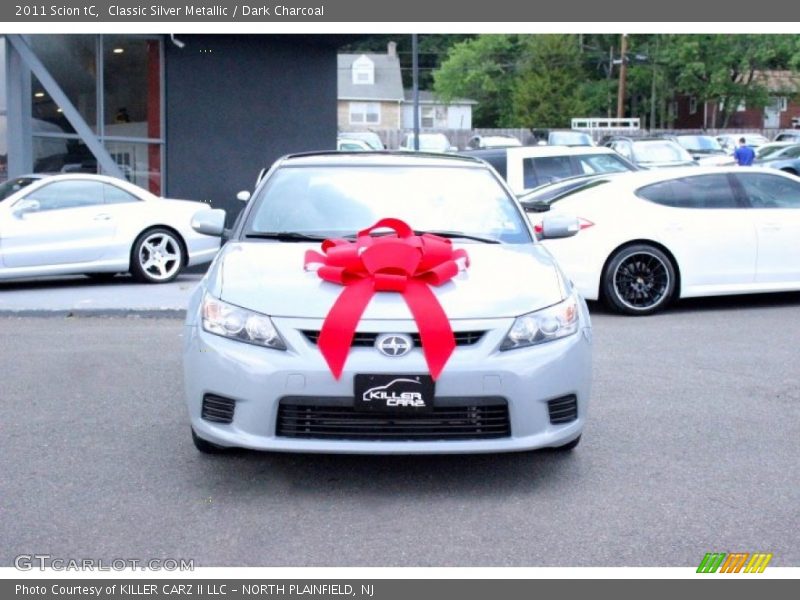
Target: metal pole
x,y
623,75
415,87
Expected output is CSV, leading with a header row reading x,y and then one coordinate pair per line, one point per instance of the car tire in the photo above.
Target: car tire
x,y
157,256
205,446
569,445
638,280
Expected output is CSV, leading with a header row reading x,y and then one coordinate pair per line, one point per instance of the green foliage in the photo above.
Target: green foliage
x,y
482,69
543,80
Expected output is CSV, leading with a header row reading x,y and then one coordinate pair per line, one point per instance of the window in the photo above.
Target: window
x,y
702,191
770,191
115,195
624,148
427,117
536,171
783,103
365,113
741,107
363,70
692,105
601,163
68,194
114,82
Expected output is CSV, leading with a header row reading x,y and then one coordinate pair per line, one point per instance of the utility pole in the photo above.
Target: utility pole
x,y
654,60
415,87
623,75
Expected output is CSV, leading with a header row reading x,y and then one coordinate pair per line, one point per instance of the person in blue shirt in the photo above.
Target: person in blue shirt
x,y
744,154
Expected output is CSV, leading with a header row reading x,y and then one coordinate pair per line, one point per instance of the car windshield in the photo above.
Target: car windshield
x,y
700,143
430,142
659,152
14,185
336,201
569,138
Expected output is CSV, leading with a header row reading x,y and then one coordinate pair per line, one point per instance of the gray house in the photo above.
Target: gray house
x,y
370,91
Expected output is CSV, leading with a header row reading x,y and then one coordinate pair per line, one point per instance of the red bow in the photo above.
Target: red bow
x,y
403,263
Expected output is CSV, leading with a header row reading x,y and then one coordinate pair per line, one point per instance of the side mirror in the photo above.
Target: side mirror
x,y
24,207
243,196
559,226
209,222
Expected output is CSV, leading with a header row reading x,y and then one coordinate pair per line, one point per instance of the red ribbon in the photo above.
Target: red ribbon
x,y
401,262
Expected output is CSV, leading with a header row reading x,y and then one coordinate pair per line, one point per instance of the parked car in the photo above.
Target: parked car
x,y
428,142
651,153
654,236
352,145
786,158
99,226
15,184
569,138
772,148
532,166
705,149
790,135
729,141
483,142
370,137
254,372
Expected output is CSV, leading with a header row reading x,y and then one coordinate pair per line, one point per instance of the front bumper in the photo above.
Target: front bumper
x,y
257,378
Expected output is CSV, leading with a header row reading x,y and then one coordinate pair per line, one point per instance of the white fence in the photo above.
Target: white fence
x,y
459,137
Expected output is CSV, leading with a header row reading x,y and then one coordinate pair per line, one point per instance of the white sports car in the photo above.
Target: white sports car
x,y
652,236
99,226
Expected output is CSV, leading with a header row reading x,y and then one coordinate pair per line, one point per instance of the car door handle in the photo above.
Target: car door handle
x,y
102,217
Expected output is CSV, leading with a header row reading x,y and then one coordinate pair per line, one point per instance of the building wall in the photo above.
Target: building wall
x,y
459,117
236,103
390,117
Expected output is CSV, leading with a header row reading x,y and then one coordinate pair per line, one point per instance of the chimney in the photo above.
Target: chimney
x,y
391,49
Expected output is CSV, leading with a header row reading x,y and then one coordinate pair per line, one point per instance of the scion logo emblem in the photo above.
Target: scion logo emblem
x,y
394,344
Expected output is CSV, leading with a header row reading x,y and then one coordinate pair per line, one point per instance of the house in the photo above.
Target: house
x,y
782,111
435,114
371,96
370,91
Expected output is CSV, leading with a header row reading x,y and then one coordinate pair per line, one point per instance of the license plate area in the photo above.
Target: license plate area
x,y
398,394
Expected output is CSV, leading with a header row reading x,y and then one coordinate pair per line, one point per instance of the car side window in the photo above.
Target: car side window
x,y
770,191
600,163
792,152
114,195
68,194
537,171
623,148
701,191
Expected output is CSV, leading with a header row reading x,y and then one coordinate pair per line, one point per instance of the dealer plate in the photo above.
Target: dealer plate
x,y
394,393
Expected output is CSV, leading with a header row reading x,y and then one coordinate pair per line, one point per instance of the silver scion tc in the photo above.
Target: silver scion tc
x,y
518,379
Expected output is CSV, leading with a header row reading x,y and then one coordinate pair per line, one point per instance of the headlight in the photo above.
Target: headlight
x,y
545,325
240,324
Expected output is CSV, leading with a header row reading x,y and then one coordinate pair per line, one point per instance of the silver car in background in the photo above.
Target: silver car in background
x,y
518,379
98,226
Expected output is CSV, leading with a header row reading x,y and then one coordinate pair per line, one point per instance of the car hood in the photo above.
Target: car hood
x,y
501,281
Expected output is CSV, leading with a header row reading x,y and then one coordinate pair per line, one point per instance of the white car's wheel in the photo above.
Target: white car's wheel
x,y
639,280
157,256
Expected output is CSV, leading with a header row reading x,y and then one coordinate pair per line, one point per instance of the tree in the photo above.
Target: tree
x,y
482,69
552,85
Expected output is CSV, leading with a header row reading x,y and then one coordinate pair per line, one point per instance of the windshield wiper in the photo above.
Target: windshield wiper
x,y
286,236
459,234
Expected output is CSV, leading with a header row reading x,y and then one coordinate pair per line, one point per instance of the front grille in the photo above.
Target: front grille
x,y
451,419
218,409
563,410
463,338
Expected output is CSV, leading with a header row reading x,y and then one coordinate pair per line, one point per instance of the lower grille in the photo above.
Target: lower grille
x,y
335,419
218,409
563,410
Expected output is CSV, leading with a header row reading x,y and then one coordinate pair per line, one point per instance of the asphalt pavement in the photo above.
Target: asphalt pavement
x,y
691,447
